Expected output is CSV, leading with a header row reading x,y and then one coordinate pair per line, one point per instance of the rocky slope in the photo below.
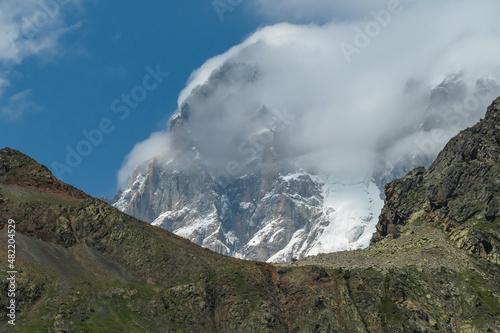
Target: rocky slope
x,y
247,197
459,192
86,267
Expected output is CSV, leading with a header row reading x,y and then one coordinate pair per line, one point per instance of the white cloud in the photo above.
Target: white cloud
x,y
17,104
397,95
29,27
155,145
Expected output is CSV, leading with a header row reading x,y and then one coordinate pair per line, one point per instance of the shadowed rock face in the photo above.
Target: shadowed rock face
x,y
459,191
85,266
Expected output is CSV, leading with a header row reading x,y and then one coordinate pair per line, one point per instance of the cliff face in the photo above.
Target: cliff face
x,y
85,266
459,192
272,214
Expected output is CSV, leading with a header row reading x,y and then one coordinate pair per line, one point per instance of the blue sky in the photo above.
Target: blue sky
x,y
97,52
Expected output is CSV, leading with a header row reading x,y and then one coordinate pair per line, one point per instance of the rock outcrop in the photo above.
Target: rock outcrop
x,y
458,192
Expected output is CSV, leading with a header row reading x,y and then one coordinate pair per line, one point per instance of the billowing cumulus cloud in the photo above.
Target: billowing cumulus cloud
x,y
365,91
155,145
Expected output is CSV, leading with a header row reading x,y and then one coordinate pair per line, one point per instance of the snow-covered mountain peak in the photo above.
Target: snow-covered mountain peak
x,y
242,178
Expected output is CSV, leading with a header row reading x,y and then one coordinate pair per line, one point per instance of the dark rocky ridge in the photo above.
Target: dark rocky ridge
x,y
22,170
459,191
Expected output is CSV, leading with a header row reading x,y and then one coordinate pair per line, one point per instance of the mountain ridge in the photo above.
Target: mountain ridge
x,y
456,198
20,169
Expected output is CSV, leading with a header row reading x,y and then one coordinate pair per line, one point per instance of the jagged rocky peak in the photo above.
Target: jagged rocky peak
x,y
201,108
231,182
114,199
459,191
243,196
454,101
